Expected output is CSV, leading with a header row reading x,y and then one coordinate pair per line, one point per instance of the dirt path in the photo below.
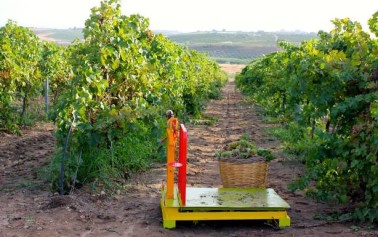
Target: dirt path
x,y
28,209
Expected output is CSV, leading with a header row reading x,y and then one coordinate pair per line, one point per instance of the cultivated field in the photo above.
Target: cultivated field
x,y
29,209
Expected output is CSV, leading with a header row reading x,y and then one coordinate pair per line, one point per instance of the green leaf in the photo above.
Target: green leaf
x,y
123,54
115,64
354,163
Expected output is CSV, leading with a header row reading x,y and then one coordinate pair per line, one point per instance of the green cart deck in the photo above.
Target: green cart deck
x,y
225,204
232,199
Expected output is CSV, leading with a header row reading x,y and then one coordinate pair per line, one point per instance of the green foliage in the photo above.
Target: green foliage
x,y
56,68
106,161
325,92
373,23
20,76
111,88
120,79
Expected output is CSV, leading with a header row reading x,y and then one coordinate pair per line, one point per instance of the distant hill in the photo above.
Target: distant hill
x,y
224,46
238,47
66,36
60,36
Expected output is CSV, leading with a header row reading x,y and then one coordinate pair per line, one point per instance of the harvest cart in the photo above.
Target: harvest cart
x,y
181,203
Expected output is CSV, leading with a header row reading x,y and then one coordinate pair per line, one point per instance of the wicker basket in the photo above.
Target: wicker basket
x,y
243,173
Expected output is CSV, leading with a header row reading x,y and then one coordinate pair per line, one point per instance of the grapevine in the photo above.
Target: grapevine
x,y
325,92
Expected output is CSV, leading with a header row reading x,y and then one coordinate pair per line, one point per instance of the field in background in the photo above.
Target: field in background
x,y
223,46
238,47
60,36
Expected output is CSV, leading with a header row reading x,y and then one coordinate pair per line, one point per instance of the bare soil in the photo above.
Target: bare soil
x,y
27,208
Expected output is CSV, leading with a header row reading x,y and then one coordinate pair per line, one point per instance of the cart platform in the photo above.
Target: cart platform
x,y
225,204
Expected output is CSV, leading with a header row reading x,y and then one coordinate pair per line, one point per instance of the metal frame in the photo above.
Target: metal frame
x,y
180,207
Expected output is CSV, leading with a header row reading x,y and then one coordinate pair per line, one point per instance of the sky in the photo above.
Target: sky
x,y
197,15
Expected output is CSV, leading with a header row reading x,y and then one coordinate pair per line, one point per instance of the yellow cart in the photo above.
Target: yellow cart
x,y
197,204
